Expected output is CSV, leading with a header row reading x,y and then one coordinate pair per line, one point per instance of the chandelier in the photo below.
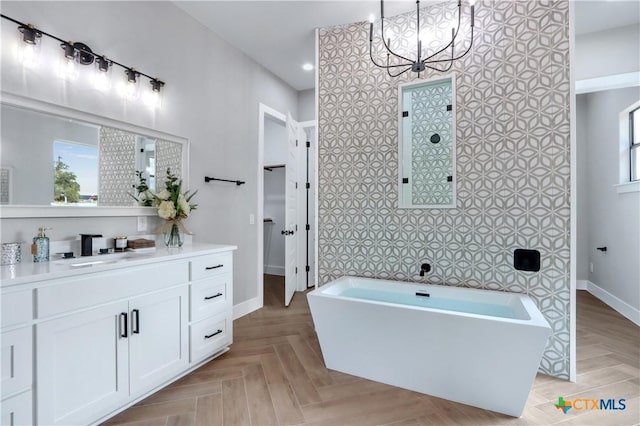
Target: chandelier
x,y
403,64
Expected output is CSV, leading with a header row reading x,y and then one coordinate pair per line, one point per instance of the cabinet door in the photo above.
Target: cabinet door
x,y
17,361
82,365
17,410
158,348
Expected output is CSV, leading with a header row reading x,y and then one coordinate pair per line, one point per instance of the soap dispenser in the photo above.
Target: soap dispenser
x,y
40,246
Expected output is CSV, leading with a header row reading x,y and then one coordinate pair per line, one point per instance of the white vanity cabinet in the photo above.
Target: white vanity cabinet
x,y
105,339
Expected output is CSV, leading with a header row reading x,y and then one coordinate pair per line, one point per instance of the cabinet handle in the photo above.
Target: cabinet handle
x,y
214,334
213,267
135,321
213,297
123,328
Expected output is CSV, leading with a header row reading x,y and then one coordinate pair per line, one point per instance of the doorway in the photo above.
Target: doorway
x,y
285,205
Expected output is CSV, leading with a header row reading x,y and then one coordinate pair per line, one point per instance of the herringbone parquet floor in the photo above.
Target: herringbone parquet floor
x,y
274,374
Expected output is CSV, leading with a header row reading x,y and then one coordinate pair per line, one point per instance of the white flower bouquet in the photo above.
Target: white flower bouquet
x,y
173,206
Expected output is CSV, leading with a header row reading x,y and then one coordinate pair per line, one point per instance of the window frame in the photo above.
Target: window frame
x,y
633,146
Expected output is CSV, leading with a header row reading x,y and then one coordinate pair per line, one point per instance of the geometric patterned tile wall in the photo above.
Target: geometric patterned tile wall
x,y
512,161
117,167
168,155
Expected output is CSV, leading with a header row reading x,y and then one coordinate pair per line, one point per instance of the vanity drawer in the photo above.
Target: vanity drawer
x,y
210,296
17,308
17,361
210,265
209,336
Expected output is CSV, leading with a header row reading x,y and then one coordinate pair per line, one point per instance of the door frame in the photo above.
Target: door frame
x,y
311,124
263,112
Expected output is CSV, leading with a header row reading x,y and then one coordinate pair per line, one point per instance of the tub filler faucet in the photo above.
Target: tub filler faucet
x,y
425,267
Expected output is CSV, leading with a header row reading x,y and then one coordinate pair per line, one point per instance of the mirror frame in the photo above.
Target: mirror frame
x,y
403,204
34,211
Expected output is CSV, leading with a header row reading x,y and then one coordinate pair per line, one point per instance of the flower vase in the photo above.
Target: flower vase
x,y
173,237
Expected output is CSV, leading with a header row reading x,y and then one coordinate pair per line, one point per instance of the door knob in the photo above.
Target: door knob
x,y
286,232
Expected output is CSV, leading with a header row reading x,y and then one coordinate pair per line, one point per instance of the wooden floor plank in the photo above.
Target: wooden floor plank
x,y
183,392
260,403
284,400
185,419
235,407
209,410
303,387
162,409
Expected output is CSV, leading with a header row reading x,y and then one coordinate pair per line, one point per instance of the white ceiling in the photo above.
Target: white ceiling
x,y
280,34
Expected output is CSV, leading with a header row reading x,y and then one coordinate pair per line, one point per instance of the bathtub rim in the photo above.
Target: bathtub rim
x,y
527,304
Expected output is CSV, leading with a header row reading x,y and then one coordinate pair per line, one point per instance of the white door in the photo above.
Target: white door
x,y
82,365
290,231
158,343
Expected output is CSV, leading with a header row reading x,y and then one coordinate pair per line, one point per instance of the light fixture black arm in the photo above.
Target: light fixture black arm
x,y
80,49
453,39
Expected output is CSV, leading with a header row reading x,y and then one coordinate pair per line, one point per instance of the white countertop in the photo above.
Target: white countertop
x,y
28,272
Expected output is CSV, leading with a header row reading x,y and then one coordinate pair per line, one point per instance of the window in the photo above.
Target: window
x,y
634,139
75,174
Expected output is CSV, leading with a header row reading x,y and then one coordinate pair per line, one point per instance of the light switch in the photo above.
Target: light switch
x,y
252,219
142,223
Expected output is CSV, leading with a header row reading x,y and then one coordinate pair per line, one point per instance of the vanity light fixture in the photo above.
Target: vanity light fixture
x,y
79,53
102,74
402,64
132,75
30,35
103,64
28,52
156,84
153,98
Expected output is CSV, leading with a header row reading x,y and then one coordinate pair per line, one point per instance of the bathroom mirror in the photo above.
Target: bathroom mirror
x,y
56,161
427,154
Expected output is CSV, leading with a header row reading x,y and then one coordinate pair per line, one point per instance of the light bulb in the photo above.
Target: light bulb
x,y
307,67
152,99
101,80
67,69
372,18
29,54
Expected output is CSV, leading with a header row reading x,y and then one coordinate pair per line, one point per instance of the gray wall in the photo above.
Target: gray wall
x,y
613,219
274,208
513,163
211,97
582,190
609,52
307,105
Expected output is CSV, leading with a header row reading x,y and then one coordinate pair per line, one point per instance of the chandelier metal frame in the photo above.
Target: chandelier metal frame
x,y
420,64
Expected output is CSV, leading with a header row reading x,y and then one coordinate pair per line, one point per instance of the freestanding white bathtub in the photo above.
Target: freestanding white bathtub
x,y
476,347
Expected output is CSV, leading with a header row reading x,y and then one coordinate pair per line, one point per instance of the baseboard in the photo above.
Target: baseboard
x,y
274,270
246,307
582,284
626,310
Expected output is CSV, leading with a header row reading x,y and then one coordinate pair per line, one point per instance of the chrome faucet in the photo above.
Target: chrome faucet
x,y
425,267
86,243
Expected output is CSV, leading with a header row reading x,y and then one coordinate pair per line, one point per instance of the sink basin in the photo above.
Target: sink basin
x,y
93,262
101,259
